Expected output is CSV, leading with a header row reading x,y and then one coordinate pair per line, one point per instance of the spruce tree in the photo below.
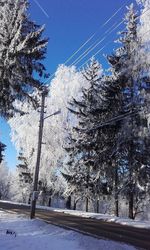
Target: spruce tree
x,y
112,136
2,148
81,152
133,128
21,50
91,149
25,178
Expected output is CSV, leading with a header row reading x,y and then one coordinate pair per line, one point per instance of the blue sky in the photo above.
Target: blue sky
x,y
69,23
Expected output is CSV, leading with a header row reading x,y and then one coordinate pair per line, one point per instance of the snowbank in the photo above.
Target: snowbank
x,y
36,234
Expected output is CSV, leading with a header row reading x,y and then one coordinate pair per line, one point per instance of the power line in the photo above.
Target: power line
x,y
114,119
95,54
85,54
95,44
119,117
109,42
91,37
103,48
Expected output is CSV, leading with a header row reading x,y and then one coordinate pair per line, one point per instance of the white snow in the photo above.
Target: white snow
x,y
108,218
38,235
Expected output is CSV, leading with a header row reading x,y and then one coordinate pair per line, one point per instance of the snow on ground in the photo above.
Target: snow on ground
x,y
38,235
104,217
107,217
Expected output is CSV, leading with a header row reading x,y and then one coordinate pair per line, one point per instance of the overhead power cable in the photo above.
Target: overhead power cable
x,y
93,35
103,48
93,47
119,117
108,42
114,119
97,39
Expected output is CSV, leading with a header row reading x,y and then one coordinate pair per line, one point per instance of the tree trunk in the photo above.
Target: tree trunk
x,y
131,215
131,203
116,193
86,204
74,205
29,200
49,201
43,198
97,206
131,155
68,202
131,194
116,207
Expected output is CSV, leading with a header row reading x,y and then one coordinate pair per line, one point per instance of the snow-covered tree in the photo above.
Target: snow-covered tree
x,y
82,170
66,83
21,50
99,144
143,55
134,131
112,124
2,148
4,181
25,179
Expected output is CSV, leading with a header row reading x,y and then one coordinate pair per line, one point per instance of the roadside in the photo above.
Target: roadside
x,y
100,229
104,217
19,233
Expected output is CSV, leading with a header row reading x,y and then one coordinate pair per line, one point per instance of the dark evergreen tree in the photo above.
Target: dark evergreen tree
x,y
21,50
91,147
2,148
134,132
109,144
80,165
25,178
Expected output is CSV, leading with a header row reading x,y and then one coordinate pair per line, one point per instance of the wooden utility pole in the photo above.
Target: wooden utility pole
x,y
36,175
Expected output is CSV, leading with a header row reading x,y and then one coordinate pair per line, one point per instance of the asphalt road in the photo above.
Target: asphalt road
x,y
97,228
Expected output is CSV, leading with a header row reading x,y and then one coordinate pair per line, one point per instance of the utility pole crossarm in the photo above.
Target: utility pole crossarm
x,y
56,113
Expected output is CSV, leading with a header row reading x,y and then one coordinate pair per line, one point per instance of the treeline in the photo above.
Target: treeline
x,y
107,128
108,149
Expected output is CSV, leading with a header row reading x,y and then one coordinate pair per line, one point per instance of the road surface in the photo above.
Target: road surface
x,y
97,228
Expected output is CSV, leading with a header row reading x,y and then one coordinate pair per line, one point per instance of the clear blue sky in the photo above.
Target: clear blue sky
x,y
69,23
